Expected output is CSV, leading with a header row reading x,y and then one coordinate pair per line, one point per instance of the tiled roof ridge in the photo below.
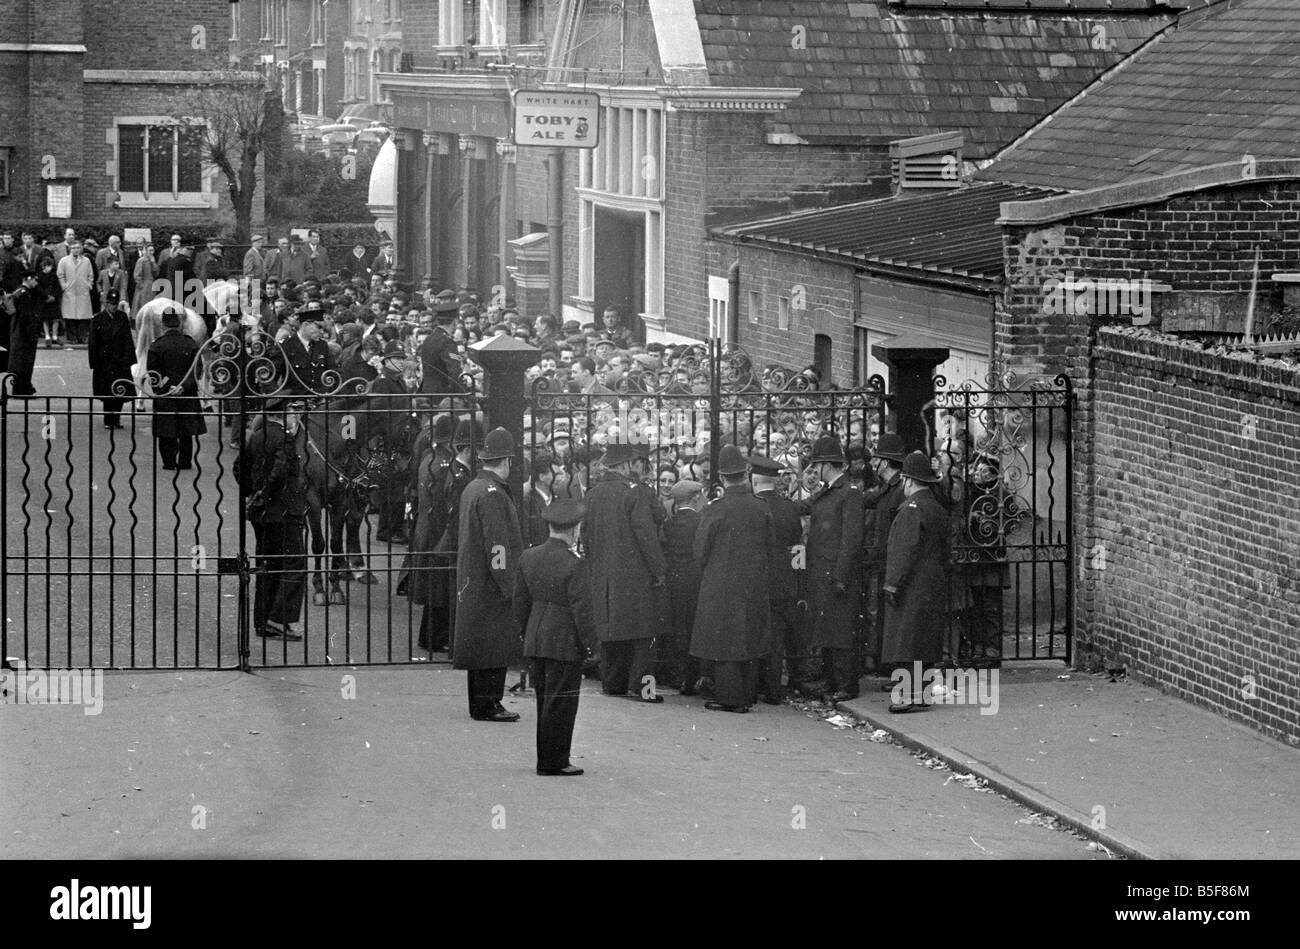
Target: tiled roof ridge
x,y
1091,87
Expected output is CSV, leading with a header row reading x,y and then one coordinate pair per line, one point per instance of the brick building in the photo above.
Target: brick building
x,y
713,111
1181,188
90,126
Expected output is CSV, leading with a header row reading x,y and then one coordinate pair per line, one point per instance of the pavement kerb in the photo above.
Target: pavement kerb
x,y
1016,790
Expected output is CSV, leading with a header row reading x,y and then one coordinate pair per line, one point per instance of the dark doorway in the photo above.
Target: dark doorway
x,y
822,358
619,266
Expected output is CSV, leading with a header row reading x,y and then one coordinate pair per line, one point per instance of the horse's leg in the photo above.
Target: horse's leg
x,y
338,563
318,553
356,516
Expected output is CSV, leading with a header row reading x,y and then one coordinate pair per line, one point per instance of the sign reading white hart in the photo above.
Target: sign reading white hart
x,y
556,119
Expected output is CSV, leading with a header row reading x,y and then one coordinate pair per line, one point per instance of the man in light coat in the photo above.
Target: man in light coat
x,y
76,276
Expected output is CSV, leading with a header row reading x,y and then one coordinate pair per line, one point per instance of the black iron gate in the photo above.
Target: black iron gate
x,y
1003,451
111,560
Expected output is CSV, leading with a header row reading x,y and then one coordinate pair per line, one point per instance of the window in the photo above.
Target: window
x,y
719,296
822,358
783,313
159,159
58,199
754,305
266,12
320,91
451,23
282,22
531,19
627,159
4,171
470,22
234,21
317,23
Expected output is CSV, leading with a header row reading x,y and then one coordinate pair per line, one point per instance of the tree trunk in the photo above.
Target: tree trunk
x,y
241,197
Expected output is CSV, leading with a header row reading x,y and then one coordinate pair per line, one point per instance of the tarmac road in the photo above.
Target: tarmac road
x,y
281,764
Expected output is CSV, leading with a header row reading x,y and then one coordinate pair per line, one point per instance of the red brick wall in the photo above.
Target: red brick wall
x,y
1195,509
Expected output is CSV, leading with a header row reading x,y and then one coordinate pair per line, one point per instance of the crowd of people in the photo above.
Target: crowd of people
x,y
619,436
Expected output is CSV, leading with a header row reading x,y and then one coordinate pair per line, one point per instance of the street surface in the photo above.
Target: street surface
x,y
284,766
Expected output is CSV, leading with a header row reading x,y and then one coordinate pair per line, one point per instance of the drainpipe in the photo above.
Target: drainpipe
x,y
555,231
733,302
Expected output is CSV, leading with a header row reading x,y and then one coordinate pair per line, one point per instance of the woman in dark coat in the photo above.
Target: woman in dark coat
x,y
111,352
49,293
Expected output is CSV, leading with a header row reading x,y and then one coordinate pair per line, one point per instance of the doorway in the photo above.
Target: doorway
x,y
619,266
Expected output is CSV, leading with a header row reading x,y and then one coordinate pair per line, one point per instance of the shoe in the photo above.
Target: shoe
x,y
888,686
383,537
291,633
772,700
568,771
184,467
606,692
268,632
398,538
841,697
906,707
501,716
653,701
168,467
719,707
687,690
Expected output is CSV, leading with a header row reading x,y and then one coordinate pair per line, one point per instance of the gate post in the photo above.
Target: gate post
x,y
911,361
504,360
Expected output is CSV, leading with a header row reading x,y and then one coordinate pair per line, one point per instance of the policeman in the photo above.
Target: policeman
x,y
787,534
882,502
487,557
438,355
176,416
277,473
552,609
732,620
916,579
307,355
627,572
835,566
683,581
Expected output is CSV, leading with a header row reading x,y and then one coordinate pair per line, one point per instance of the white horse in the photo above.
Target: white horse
x,y
149,326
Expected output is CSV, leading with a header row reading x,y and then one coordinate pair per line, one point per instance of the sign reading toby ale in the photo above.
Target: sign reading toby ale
x,y
557,119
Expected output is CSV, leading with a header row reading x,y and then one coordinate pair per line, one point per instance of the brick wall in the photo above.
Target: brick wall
x,y
1202,244
129,34
1197,515
829,305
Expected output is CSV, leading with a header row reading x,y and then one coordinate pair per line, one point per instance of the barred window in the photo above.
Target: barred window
x,y
159,159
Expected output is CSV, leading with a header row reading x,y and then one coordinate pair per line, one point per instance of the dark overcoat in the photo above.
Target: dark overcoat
x,y
441,361
278,474
431,516
787,531
306,368
916,570
733,545
552,603
110,351
834,556
171,356
683,572
882,504
486,563
625,556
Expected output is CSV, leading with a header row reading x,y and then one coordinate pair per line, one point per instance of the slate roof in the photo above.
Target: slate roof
x,y
877,68
951,234
1225,82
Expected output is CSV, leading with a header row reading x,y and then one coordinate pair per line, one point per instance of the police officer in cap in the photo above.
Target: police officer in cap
x,y
916,580
552,608
275,475
487,558
834,558
882,502
438,354
177,418
732,620
782,584
307,355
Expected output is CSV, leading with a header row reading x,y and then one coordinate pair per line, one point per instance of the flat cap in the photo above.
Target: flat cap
x,y
685,489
